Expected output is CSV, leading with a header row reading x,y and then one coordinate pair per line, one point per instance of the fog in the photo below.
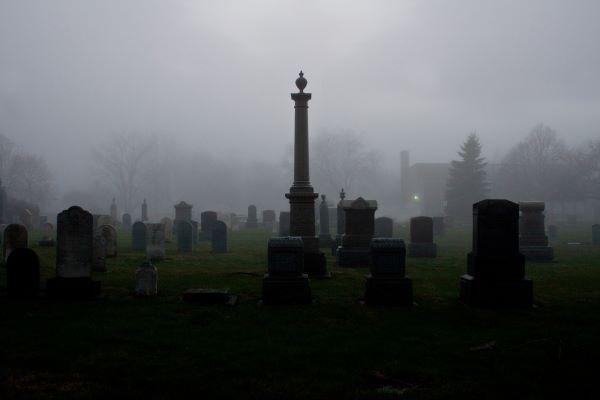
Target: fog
x,y
212,82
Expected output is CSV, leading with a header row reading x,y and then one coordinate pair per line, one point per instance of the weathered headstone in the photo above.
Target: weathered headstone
x,y
388,284
126,222
22,273
74,251
185,242
439,227
596,234
109,233
268,219
144,211
47,235
384,227
496,269
101,219
533,242
324,233
219,237
358,232
146,280
252,220
15,237
139,236
155,246
285,282
99,252
421,238
168,225
284,223
207,221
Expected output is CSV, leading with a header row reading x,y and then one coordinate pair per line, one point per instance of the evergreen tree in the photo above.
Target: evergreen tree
x,y
466,181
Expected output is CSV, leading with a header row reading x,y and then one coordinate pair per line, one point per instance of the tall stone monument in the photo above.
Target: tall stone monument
x,y
495,267
533,242
302,195
144,211
114,213
341,223
324,234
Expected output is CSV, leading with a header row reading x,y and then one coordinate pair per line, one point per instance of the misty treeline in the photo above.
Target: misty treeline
x,y
134,166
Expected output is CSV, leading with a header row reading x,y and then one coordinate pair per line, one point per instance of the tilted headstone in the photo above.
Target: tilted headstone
x,y
324,233
99,252
219,237
185,242
284,223
384,227
285,281
15,237
155,246
496,269
207,221
533,242
269,219
358,232
109,233
74,251
126,222
421,238
387,284
22,273
252,220
146,280
596,234
439,226
168,225
139,236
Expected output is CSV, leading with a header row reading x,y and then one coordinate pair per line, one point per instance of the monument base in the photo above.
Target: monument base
x,y
537,253
46,243
495,293
72,288
353,258
427,250
388,291
286,290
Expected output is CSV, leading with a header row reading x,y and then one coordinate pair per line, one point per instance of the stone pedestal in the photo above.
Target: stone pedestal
x,y
495,268
533,242
285,282
421,238
359,228
387,283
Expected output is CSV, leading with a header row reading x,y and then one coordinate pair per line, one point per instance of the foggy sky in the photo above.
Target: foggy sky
x,y
217,76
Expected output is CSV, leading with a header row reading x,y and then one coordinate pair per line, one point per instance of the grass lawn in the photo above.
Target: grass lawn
x,y
121,346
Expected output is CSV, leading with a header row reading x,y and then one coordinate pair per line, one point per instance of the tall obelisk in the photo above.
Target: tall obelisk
x,y
302,195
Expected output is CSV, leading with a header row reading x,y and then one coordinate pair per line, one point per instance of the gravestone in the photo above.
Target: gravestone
x,y
109,233
168,225
155,246
195,231
269,219
144,211
596,234
359,227
421,238
284,223
285,282
99,252
439,227
22,273
126,222
533,242
139,236
114,214
552,233
384,227
185,242
495,267
219,237
146,280
74,251
15,237
324,233
252,220
183,212
207,221
26,219
47,235
387,284
102,220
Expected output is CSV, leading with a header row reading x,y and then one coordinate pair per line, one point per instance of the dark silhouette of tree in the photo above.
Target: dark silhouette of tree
x,y
467,182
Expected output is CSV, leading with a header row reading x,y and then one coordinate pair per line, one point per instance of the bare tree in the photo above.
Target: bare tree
x,y
30,178
586,162
121,162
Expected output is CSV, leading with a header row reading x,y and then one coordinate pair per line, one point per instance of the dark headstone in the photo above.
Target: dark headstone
x,y
99,252
533,242
496,269
384,227
252,220
421,238
359,227
155,246
285,282
109,233
22,273
219,237
207,221
146,280
195,231
185,242
596,234
284,223
268,219
14,237
126,222
139,236
183,212
387,284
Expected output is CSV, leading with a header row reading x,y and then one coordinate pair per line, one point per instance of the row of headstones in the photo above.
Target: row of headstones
x,y
495,266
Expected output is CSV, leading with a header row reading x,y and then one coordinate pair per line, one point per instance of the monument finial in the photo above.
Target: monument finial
x,y
342,194
301,82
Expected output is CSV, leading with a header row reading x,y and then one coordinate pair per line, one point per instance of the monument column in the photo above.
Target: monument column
x,y
302,195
